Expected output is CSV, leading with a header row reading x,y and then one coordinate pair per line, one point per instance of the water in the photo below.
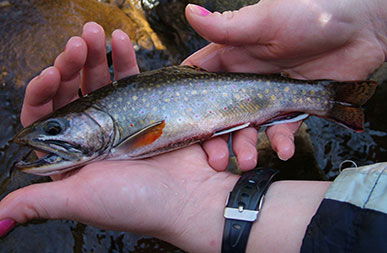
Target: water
x,y
331,143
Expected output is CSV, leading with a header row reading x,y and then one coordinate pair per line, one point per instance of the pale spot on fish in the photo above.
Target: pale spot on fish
x,y
167,100
244,90
224,94
119,99
294,100
154,108
312,92
185,99
303,92
294,92
301,101
204,91
194,92
286,89
323,93
237,96
143,100
267,91
260,95
134,98
275,90
177,94
272,97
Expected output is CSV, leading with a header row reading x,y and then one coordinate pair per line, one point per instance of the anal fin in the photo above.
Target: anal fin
x,y
286,120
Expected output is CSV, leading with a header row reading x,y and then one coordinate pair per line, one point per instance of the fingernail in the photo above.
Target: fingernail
x,y
93,27
6,226
119,34
283,156
199,10
44,71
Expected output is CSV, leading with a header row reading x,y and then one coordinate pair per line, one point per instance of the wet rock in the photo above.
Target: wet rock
x,y
167,19
33,33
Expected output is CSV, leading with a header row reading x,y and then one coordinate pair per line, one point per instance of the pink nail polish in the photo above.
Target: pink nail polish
x,y
6,226
199,10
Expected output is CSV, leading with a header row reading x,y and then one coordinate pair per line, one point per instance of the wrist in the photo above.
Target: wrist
x,y
281,225
199,227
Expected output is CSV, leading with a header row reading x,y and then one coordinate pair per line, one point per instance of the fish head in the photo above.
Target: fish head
x,y
69,140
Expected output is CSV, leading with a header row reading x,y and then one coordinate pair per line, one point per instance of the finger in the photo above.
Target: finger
x,y
245,148
230,27
38,97
124,57
95,73
281,138
215,57
47,200
69,63
217,152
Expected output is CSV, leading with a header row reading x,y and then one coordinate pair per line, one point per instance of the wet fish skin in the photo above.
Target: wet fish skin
x,y
162,110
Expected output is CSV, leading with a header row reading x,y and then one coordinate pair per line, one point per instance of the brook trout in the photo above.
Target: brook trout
x,y
162,110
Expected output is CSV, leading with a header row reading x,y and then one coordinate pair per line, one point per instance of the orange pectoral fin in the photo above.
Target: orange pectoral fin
x,y
143,137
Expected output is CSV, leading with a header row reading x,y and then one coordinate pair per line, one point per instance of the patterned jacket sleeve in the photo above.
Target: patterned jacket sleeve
x,y
353,215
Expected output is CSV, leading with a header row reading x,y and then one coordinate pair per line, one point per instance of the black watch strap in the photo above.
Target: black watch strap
x,y
242,208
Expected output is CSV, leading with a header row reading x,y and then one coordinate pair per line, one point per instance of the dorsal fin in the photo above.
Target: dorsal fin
x,y
197,68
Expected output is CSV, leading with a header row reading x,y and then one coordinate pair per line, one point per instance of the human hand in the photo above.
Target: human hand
x,y
158,196
343,40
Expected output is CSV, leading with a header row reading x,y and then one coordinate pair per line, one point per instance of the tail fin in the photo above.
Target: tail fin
x,y
348,97
355,93
351,117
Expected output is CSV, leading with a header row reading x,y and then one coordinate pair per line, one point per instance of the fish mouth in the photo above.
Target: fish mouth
x,y
60,157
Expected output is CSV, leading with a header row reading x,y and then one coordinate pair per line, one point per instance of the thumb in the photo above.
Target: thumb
x,y
230,27
46,200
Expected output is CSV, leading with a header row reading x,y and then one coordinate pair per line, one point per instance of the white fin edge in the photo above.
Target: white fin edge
x,y
231,130
295,119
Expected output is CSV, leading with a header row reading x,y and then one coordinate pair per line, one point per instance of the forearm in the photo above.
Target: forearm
x,y
287,210
286,213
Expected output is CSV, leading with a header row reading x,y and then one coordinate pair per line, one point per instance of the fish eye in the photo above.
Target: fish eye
x,y
52,127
